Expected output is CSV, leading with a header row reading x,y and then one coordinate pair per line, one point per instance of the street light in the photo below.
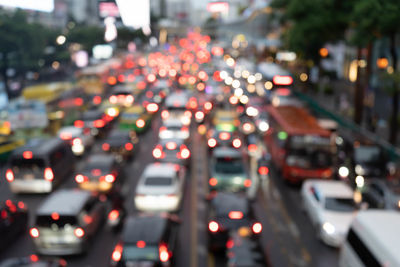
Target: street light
x,y
61,39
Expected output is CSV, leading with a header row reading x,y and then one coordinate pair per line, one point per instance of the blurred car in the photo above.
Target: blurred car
x,y
39,166
225,120
218,138
173,129
33,261
136,119
160,188
262,122
121,95
13,221
243,250
66,221
331,208
284,97
122,144
79,140
228,170
100,173
147,240
95,121
382,194
173,151
176,108
229,212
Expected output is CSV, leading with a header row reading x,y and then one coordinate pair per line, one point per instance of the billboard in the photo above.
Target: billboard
x,y
135,13
39,5
108,8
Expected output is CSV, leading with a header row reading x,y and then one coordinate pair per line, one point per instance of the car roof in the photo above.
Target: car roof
x,y
39,146
160,169
223,203
100,158
150,229
226,152
332,188
64,202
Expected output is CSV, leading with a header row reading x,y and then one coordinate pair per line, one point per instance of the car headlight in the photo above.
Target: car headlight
x,y
344,172
359,170
328,228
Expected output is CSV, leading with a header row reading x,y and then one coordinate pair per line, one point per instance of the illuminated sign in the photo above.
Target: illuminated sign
x,y
214,7
39,5
135,14
108,9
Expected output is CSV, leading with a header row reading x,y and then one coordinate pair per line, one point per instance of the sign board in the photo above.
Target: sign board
x,y
214,7
39,5
27,114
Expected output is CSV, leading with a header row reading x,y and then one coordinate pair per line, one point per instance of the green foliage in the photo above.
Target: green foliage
x,y
126,35
390,82
87,36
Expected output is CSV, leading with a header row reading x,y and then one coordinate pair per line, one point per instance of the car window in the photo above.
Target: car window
x,y
340,204
229,165
158,181
377,189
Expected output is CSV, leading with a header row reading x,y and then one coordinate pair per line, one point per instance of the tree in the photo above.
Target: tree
x,y
126,35
87,36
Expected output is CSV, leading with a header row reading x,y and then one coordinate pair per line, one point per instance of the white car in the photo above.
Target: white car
x,y
160,188
331,208
79,140
173,129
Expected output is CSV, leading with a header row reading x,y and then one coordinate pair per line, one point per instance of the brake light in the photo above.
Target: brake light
x,y
157,153
128,146
171,145
48,174
247,183
33,258
165,114
230,243
213,181
213,226
208,106
224,136
163,129
257,228
282,80
164,255
187,113
236,143
263,170
117,253
105,147
113,215
55,216
141,244
140,123
212,142
79,232
152,108
129,99
96,100
199,115
79,124
80,178
235,215
252,148
109,178
247,127
185,153
99,123
34,232
77,142
9,175
65,136
21,205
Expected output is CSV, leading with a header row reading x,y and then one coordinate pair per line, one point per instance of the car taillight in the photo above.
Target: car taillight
x,y
105,147
48,174
162,129
152,108
141,244
185,153
34,232
230,243
213,181
129,99
165,114
117,253
247,183
164,254
9,175
157,152
208,106
109,178
235,215
113,215
187,113
236,143
80,178
33,258
212,142
282,80
257,228
113,99
99,123
213,226
140,123
21,205
170,145
252,148
199,115
128,146
79,124
79,232
77,142
66,136
263,170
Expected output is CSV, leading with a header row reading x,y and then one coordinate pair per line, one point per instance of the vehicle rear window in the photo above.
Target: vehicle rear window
x,y
148,253
340,204
34,163
97,169
47,221
229,165
158,181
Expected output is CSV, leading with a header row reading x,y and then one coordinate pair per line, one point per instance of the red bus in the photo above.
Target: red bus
x,y
299,147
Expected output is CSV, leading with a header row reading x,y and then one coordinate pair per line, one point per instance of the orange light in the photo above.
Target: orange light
x,y
382,63
27,154
201,86
112,80
55,216
34,232
257,228
324,52
247,183
263,170
140,123
213,181
48,174
213,226
141,244
78,232
235,215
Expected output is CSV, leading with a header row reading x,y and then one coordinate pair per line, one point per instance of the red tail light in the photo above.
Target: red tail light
x,y
224,136
171,145
79,232
129,99
163,129
208,106
55,216
105,147
141,244
79,124
77,142
165,114
152,108
99,123
252,148
185,153
236,143
213,226
66,136
21,205
257,228
282,80
140,123
34,232
164,254
199,115
80,178
48,174
187,113
96,100
109,178
247,183
33,258
230,243
27,154
117,253
9,175
263,170
157,152
128,146
212,142
235,215
113,215
213,181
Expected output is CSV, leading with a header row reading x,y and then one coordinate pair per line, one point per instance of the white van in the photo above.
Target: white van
x,y
373,240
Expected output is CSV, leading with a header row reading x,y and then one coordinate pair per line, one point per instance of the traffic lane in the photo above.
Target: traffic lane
x,y
321,255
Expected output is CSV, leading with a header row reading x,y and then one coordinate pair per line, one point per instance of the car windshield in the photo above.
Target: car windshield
x,y
133,253
340,204
309,158
367,154
158,181
229,165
